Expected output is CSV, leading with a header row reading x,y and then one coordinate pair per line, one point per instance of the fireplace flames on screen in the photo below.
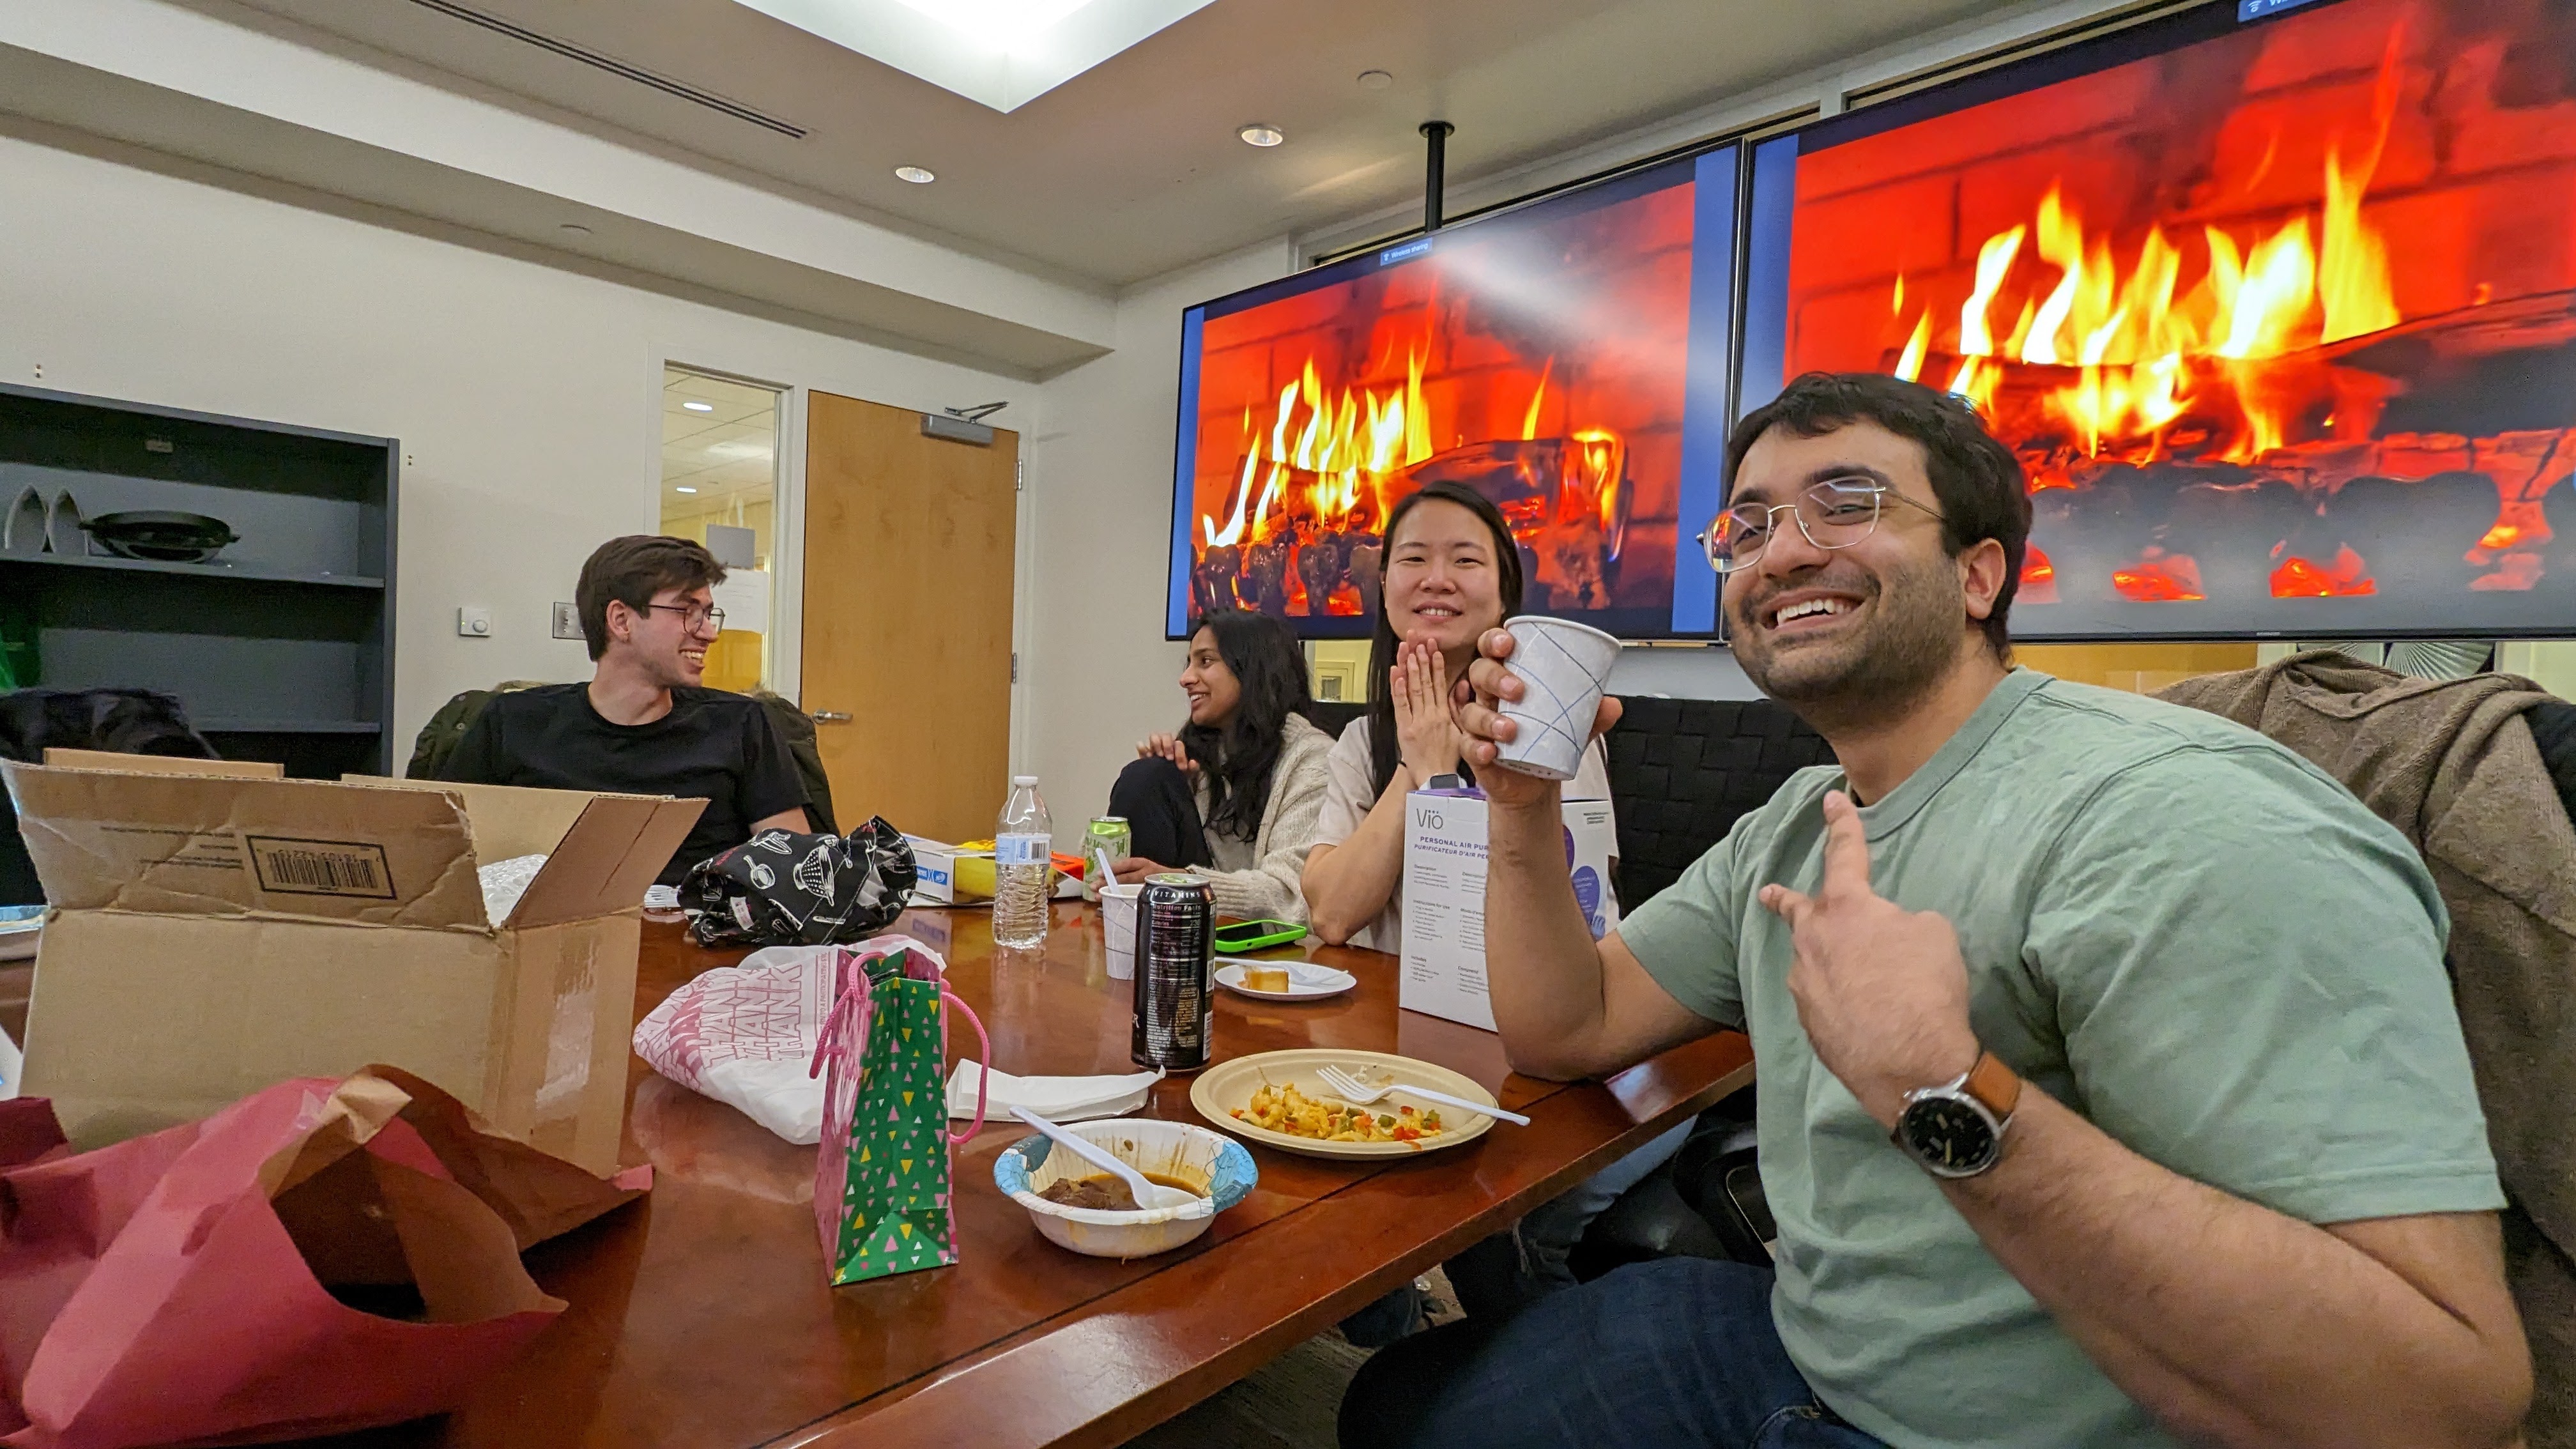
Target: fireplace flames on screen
x,y
2212,390
1322,467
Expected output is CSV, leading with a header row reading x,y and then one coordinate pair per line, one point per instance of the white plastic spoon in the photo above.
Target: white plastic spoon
x,y
1148,1194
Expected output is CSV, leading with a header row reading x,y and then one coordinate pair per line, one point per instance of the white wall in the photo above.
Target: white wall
x,y
527,399
1096,675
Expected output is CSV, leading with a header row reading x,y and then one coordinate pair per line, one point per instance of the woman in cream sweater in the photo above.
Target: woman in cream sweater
x,y
1235,794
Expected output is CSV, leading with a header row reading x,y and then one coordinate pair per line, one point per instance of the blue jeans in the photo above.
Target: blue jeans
x,y
1679,1351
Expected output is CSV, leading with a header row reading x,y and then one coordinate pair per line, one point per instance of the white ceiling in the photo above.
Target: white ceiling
x,y
1132,167
726,451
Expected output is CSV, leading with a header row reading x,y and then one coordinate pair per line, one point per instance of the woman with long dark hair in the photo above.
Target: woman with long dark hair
x,y
1451,572
1234,793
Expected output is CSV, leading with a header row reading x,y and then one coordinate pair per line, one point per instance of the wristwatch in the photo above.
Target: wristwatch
x,y
1957,1129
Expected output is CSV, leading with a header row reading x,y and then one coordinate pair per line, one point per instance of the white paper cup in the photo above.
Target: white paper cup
x,y
1562,667
1118,923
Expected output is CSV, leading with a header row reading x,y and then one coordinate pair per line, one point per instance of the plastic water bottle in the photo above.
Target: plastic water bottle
x,y
1023,866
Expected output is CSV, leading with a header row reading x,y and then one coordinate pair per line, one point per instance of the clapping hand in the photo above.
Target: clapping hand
x,y
1882,991
1425,737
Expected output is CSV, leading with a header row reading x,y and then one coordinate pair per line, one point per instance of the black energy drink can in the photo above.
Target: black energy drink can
x,y
1175,929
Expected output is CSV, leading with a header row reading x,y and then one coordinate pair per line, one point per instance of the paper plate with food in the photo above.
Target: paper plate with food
x,y
1279,1099
1282,980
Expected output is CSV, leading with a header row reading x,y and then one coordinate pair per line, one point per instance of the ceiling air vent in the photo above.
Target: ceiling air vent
x,y
613,66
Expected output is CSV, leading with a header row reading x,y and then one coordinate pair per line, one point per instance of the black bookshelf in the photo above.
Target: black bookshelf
x,y
282,646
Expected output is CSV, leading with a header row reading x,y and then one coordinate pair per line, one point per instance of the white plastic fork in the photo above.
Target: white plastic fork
x,y
1350,1089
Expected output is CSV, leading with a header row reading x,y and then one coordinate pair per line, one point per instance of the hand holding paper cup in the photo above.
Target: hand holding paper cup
x,y
1563,667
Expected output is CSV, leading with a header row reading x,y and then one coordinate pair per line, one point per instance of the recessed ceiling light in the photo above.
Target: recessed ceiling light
x,y
682,488
1260,135
699,407
1375,80
917,175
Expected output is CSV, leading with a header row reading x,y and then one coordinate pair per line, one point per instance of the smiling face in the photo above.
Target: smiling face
x,y
1442,582
1858,632
1209,682
662,642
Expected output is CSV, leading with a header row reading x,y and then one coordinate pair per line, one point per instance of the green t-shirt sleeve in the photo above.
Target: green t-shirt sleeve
x,y
2247,972
1685,935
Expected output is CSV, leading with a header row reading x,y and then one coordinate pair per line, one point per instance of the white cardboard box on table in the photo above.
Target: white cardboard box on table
x,y
1444,897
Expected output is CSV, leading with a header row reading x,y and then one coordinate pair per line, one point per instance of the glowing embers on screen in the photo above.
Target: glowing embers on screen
x,y
2264,318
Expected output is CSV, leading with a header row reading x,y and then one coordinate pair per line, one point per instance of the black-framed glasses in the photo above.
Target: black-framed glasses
x,y
1835,513
696,618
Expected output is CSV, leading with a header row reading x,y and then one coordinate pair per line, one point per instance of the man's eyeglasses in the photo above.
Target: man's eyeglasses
x,y
696,618
1836,513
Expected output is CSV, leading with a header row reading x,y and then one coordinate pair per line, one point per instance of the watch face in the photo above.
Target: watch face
x,y
1948,1135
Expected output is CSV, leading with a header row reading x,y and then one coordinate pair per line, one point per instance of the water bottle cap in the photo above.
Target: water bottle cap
x,y
1024,781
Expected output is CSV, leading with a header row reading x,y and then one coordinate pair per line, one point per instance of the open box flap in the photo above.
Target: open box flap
x,y
508,821
205,845
604,863
163,764
601,849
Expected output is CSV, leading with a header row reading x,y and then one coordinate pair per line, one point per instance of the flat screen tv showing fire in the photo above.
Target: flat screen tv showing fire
x,y
1568,358
2279,315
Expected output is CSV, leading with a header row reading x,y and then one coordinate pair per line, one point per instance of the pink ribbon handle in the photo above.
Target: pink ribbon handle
x,y
838,1026
986,1043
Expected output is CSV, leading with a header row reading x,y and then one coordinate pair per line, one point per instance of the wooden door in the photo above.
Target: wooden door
x,y
907,617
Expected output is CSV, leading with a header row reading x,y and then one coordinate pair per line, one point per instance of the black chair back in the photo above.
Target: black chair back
x,y
1683,771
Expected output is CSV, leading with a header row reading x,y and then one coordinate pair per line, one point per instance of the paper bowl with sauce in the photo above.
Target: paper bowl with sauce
x,y
1181,1155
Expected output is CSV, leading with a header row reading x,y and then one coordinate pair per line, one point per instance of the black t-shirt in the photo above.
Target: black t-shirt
x,y
712,746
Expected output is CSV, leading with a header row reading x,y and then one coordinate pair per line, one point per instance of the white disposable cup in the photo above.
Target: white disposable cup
x,y
1118,923
1563,667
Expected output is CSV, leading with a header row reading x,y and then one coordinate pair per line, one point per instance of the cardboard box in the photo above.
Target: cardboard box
x,y
1444,897
210,936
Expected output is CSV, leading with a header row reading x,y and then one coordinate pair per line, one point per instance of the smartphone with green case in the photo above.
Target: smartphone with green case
x,y
1254,935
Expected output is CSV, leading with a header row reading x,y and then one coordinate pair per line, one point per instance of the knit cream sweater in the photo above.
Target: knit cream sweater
x,y
1258,879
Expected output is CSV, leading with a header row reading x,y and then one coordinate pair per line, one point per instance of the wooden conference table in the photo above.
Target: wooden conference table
x,y
700,1315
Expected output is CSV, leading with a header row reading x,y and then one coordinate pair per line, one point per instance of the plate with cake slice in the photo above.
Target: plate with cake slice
x,y
1282,980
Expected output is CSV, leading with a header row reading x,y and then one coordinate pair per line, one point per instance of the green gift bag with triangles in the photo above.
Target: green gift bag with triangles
x,y
881,1181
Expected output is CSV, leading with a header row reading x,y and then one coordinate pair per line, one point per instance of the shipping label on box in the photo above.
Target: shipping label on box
x,y
1444,897
210,936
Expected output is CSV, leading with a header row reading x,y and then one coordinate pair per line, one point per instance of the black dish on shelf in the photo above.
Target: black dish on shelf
x,y
161,536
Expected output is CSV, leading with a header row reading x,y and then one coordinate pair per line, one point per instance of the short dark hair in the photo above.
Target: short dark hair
x,y
1975,478
631,570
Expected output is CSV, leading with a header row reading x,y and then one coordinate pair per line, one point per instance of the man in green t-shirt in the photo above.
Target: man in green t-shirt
x,y
2109,1086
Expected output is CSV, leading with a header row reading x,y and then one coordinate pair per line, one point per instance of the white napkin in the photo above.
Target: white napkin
x,y
1058,1099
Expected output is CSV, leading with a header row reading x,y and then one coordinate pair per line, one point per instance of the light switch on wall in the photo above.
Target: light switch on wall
x,y
474,623
567,622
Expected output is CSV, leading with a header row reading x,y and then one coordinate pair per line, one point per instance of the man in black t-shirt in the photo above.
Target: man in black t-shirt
x,y
644,725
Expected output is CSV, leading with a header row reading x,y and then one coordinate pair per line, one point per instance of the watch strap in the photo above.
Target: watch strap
x,y
1995,1086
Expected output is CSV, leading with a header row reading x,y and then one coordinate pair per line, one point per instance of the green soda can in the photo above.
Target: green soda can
x,y
1108,833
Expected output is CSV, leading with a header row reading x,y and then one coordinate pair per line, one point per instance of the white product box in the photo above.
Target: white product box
x,y
935,879
1444,897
